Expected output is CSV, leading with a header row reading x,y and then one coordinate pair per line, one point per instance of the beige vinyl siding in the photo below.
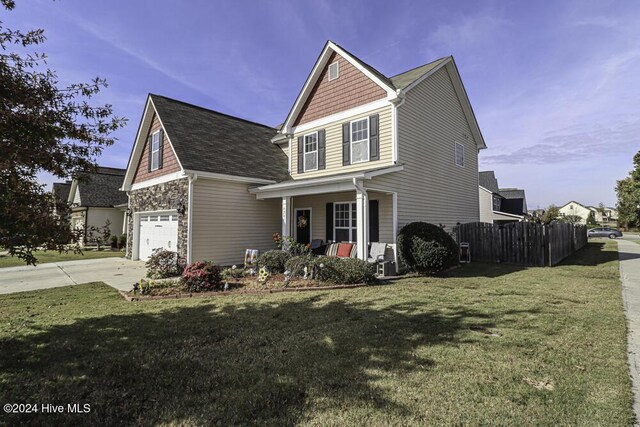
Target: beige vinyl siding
x,y
227,220
486,206
318,205
334,147
432,187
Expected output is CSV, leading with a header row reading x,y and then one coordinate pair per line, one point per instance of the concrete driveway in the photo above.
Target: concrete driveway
x,y
117,272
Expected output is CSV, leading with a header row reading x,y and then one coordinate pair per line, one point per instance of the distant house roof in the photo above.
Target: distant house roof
x,y
100,189
61,191
487,179
208,141
515,200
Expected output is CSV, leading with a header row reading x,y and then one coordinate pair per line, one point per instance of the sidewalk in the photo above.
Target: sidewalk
x,y
629,255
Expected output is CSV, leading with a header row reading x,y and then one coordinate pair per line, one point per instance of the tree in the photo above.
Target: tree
x,y
99,235
43,127
552,214
572,219
591,219
628,191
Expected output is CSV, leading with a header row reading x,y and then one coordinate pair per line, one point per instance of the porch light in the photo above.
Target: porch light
x,y
128,211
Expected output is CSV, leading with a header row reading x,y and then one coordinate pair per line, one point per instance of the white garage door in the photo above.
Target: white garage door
x,y
157,231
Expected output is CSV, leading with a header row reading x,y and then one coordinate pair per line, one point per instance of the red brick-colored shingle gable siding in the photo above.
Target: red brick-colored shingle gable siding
x,y
351,89
169,161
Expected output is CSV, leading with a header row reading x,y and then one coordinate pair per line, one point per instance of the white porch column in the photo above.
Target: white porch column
x,y
362,221
286,216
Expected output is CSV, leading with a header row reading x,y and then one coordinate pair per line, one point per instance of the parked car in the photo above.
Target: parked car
x,y
611,233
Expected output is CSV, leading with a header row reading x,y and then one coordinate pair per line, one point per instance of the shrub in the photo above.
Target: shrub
x,y
296,264
232,273
343,270
114,241
274,260
163,263
201,276
426,248
122,242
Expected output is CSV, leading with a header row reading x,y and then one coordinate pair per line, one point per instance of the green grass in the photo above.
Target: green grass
x,y
416,352
53,256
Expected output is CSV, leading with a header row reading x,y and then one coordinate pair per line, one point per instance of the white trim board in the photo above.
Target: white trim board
x,y
342,115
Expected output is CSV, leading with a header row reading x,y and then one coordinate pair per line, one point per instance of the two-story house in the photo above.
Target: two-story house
x,y
358,156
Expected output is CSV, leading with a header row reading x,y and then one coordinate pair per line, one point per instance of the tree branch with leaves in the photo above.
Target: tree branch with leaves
x,y
44,126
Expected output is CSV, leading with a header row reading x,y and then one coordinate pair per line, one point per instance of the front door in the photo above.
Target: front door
x,y
303,226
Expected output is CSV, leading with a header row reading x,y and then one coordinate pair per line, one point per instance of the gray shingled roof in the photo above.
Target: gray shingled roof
x,y
61,191
403,80
487,179
102,188
209,141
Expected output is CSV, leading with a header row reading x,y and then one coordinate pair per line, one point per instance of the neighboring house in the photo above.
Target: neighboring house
x,y
605,216
61,193
514,201
94,199
499,206
578,209
358,156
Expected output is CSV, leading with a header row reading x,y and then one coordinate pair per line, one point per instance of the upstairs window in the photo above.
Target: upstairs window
x,y
496,203
459,154
155,150
311,152
334,71
360,140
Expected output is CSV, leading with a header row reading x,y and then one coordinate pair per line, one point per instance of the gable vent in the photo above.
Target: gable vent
x,y
334,71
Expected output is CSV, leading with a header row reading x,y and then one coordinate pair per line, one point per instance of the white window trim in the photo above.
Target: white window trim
x,y
156,152
351,227
455,154
304,151
351,141
337,64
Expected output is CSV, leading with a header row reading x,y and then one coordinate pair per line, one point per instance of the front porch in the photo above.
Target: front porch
x,y
335,211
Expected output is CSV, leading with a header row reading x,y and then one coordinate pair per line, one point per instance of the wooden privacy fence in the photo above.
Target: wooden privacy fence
x,y
522,243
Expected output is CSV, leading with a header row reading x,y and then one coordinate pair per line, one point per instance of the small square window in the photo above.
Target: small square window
x,y
459,154
334,71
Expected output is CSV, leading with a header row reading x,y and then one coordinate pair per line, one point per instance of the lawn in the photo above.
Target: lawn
x,y
53,256
487,345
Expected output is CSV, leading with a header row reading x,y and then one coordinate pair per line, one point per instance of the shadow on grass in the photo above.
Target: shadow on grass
x,y
260,362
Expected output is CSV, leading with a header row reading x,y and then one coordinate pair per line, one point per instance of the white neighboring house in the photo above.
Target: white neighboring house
x,y
578,209
607,216
96,198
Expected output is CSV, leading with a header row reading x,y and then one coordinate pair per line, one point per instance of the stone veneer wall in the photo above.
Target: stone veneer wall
x,y
161,197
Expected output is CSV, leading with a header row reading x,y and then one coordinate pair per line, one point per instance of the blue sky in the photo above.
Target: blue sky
x,y
554,84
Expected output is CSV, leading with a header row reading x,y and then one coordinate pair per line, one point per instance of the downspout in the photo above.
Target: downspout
x,y
397,103
192,178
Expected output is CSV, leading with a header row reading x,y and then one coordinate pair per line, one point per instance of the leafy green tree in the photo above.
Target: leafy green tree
x,y
551,214
591,219
628,191
44,126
